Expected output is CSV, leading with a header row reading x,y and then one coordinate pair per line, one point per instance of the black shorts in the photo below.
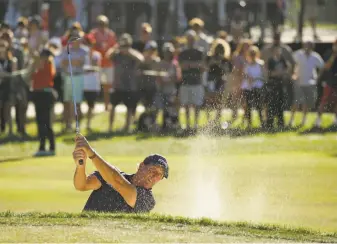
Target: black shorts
x,y
90,97
147,97
128,98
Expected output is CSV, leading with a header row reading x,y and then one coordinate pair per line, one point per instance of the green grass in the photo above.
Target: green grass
x,y
66,227
284,179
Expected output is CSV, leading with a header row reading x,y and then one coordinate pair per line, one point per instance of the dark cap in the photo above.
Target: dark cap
x,y
45,53
157,159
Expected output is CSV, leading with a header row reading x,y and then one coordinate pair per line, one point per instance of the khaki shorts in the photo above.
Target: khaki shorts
x,y
192,95
305,95
107,75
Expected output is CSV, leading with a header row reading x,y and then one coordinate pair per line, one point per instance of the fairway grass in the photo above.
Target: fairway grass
x,y
85,227
281,179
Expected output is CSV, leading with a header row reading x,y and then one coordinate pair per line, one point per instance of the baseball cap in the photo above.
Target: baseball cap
x,y
125,40
190,33
151,45
157,159
168,47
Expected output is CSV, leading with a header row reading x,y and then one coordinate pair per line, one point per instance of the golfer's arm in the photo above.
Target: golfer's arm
x,y
113,177
84,183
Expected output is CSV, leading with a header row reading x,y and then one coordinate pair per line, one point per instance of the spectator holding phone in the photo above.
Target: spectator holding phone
x,y
79,56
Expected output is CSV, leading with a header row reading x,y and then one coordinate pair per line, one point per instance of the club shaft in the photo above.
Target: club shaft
x,y
74,95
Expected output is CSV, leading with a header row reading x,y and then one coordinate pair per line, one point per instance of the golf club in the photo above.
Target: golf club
x,y
72,39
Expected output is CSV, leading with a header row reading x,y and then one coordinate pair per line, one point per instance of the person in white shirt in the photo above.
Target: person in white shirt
x,y
92,77
305,77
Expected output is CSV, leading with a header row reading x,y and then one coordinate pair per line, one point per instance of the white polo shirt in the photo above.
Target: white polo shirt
x,y
307,67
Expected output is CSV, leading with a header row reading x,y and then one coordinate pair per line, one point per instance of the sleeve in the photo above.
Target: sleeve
x,y
99,177
145,201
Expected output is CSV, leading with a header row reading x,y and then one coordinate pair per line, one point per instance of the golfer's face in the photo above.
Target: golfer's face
x,y
153,174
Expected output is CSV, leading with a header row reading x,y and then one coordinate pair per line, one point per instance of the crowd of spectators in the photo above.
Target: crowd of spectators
x,y
192,71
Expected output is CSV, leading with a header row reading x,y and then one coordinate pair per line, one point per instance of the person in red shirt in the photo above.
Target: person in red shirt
x,y
105,38
43,99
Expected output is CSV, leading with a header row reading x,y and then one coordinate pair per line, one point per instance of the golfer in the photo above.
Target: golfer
x,y
113,190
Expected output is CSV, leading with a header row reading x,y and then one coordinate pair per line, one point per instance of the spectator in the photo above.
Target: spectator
x,y
233,86
311,13
330,85
37,38
277,15
105,38
202,41
19,97
166,97
278,68
43,99
74,29
124,89
8,65
222,35
192,90
4,27
237,26
92,81
218,67
55,46
254,76
268,50
147,82
305,76
287,54
145,37
21,30
79,55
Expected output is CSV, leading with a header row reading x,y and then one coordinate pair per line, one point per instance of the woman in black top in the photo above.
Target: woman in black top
x,y
7,66
278,68
218,67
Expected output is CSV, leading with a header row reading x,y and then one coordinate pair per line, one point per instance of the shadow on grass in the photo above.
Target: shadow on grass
x,y
13,159
317,130
16,139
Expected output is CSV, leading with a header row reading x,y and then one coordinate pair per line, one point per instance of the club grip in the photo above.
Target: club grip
x,y
80,161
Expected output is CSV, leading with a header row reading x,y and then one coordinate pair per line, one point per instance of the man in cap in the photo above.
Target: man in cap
x,y
113,190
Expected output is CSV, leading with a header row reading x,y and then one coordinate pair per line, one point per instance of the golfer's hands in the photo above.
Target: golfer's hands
x,y
78,155
82,143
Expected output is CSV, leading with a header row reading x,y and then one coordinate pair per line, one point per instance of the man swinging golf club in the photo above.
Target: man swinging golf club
x,y
113,190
